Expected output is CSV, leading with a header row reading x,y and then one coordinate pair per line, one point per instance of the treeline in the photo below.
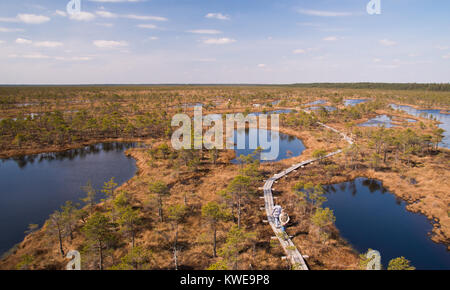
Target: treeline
x,y
443,87
391,147
58,128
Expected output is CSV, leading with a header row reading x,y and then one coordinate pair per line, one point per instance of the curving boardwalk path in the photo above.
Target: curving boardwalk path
x,y
292,253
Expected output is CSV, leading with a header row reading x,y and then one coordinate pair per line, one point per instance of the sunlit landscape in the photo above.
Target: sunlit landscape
x,y
148,135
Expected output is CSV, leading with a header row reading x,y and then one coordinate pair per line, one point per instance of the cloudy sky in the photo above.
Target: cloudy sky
x,y
223,41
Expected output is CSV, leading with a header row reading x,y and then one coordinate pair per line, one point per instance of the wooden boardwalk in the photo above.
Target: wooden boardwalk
x,y
292,253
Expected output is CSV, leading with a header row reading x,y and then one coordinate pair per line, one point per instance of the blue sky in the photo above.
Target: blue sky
x,y
223,41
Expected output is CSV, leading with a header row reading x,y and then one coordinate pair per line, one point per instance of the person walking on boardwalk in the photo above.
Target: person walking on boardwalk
x,y
276,215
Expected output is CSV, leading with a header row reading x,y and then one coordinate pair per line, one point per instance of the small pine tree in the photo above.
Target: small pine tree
x,y
214,213
400,263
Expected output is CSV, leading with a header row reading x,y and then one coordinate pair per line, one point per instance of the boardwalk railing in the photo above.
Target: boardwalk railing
x,y
292,253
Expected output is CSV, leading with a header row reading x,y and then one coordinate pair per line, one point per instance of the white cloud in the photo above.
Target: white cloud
x,y
298,51
153,38
116,1
23,41
147,26
323,13
205,31
27,19
330,38
3,29
218,41
387,42
35,56
81,58
145,17
447,56
106,14
48,44
32,18
219,16
262,65
60,13
74,58
43,56
109,43
82,16
441,47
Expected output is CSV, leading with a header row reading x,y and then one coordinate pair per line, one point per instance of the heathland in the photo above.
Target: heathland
x,y
195,209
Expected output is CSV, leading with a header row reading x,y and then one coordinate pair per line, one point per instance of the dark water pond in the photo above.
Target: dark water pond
x,y
328,108
378,121
318,102
33,186
354,102
436,114
369,216
289,146
275,103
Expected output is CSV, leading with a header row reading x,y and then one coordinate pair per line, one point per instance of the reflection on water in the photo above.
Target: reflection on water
x,y
327,108
318,102
354,102
369,216
290,146
378,121
33,186
435,114
22,161
275,103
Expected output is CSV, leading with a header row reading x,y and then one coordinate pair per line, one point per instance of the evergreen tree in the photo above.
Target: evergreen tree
x,y
214,213
400,264
99,233
161,190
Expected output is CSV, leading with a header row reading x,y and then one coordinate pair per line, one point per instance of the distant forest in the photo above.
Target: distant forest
x,y
386,86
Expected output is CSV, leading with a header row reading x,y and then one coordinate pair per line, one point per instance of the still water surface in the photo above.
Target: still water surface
x,y
33,186
436,114
290,146
369,216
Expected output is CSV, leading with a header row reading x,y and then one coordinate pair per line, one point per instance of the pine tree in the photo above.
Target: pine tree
x,y
239,188
400,264
177,213
129,222
161,190
90,198
109,187
214,213
99,233
56,226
